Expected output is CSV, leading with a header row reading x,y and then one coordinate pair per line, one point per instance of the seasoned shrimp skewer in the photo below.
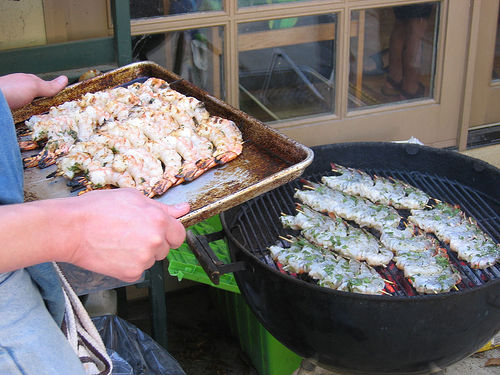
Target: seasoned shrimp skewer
x,y
331,271
85,156
110,156
360,210
338,236
377,189
195,151
421,259
147,132
94,160
187,111
74,121
451,226
53,149
225,136
428,270
405,240
172,164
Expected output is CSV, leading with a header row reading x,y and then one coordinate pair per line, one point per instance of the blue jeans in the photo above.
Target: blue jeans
x,y
30,340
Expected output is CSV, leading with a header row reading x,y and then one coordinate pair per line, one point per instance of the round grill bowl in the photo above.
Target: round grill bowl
x,y
361,334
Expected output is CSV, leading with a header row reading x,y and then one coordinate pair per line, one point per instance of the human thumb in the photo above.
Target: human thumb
x,y
56,85
179,209
50,88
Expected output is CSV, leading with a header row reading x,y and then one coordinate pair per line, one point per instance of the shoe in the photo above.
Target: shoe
x,y
391,87
418,94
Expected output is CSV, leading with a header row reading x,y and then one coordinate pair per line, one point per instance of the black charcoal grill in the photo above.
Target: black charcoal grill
x,y
350,333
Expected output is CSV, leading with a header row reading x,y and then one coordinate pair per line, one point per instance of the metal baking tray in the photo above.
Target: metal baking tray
x,y
269,158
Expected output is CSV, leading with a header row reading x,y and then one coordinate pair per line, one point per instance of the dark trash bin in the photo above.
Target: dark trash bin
x,y
132,351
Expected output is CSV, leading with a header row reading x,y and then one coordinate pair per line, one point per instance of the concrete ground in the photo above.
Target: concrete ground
x,y
477,364
490,154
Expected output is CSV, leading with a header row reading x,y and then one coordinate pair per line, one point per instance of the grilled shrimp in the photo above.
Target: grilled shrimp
x,y
225,136
106,176
83,157
186,110
360,210
53,149
147,132
381,190
144,168
451,226
338,236
129,130
111,104
195,151
172,164
157,125
405,240
330,270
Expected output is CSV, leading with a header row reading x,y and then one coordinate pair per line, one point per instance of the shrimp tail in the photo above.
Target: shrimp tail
x,y
194,173
47,159
161,187
77,181
31,161
225,157
28,145
206,164
178,181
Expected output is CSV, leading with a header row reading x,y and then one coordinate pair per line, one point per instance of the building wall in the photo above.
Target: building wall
x,y
21,24
28,23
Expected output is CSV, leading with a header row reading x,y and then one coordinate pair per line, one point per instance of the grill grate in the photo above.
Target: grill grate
x,y
257,225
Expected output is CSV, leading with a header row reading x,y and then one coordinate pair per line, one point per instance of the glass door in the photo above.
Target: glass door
x,y
483,92
399,72
322,71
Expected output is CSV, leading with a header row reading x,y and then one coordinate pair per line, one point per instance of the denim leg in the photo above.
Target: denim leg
x,y
30,340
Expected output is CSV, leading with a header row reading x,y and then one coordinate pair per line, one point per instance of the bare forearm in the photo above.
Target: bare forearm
x,y
36,232
119,232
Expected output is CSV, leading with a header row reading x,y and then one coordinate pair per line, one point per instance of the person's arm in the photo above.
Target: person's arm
x,y
20,89
117,232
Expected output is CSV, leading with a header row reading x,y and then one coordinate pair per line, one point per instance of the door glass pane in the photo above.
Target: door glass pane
x,y
196,55
287,67
155,8
249,3
496,60
392,54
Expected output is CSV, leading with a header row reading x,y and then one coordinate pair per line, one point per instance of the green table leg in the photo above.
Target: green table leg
x,y
158,306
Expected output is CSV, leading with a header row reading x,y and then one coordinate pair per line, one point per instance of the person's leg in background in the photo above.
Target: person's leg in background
x,y
411,87
396,47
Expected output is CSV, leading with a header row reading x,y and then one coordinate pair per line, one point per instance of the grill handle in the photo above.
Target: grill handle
x,y
211,264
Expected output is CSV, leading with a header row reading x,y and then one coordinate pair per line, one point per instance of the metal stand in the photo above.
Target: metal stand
x,y
158,306
279,53
154,280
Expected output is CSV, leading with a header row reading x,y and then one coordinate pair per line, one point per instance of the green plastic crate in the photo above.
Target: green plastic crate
x,y
183,264
267,354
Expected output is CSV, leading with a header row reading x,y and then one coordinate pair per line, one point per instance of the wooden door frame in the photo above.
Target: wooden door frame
x,y
480,90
